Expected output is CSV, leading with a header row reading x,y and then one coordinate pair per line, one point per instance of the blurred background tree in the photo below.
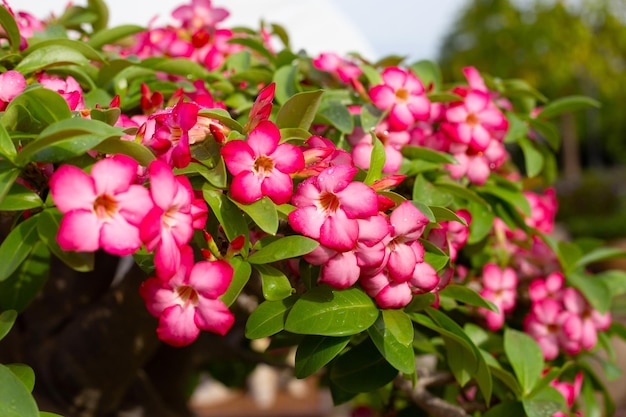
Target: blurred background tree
x,y
561,48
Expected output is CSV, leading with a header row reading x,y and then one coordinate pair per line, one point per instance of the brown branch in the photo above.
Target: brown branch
x,y
433,405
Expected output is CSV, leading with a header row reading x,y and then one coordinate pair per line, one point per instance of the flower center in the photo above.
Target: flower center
x,y
472,119
403,94
263,165
187,295
105,206
329,202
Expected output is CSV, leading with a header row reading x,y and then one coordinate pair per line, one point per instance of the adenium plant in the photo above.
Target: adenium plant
x,y
367,215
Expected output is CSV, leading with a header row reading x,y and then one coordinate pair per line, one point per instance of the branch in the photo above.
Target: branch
x,y
428,402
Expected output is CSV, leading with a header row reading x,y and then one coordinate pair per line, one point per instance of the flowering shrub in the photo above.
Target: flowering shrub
x,y
368,214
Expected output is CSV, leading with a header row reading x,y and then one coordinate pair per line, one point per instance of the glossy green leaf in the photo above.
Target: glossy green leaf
x,y
223,117
462,192
7,319
514,198
7,147
8,175
427,193
462,362
507,409
17,246
517,130
47,414
268,318
569,255
615,280
447,331
427,154
600,254
467,295
83,48
254,45
547,131
135,150
533,158
177,66
241,274
286,84
111,35
48,228
337,115
400,355
481,222
372,75
377,161
20,197
436,260
362,369
595,290
15,398
24,373
284,248
43,107
504,376
299,110
263,213
370,117
444,214
50,56
525,357
23,285
424,209
545,403
325,311
10,29
429,73
227,213
314,352
565,105
101,10
274,283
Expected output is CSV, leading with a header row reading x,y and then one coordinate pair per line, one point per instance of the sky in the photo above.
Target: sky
x,y
411,28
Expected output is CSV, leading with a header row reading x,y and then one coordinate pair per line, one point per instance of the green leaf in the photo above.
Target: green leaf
x,y
565,105
315,352
525,357
533,157
299,110
15,398
444,214
427,154
377,161
135,150
436,260
284,248
50,56
101,10
514,198
7,319
286,84
241,275
545,403
462,362
427,193
600,254
111,35
47,414
325,311
595,290
518,128
82,47
223,117
177,66
467,295
337,115
275,284
23,285
481,223
268,318
615,280
17,246
255,45
462,192
10,29
429,73
370,117
507,409
569,254
20,197
227,213
7,147
372,75
400,355
24,373
362,369
263,213
43,106
48,228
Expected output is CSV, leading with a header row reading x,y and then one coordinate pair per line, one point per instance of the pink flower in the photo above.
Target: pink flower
x,y
262,107
543,323
329,205
581,322
102,210
331,62
543,210
499,287
169,225
569,390
321,153
261,166
451,236
392,141
188,302
403,94
199,14
68,88
477,166
12,83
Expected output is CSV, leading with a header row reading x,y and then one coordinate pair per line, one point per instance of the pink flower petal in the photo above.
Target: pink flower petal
x,y
358,200
177,326
213,316
134,204
278,187
118,237
307,221
382,96
114,175
79,231
246,188
288,158
339,232
211,279
264,139
157,295
341,271
238,156
72,189
394,296
394,77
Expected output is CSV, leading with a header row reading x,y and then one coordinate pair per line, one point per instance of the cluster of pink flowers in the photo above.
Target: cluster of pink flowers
x,y
471,129
108,209
561,319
